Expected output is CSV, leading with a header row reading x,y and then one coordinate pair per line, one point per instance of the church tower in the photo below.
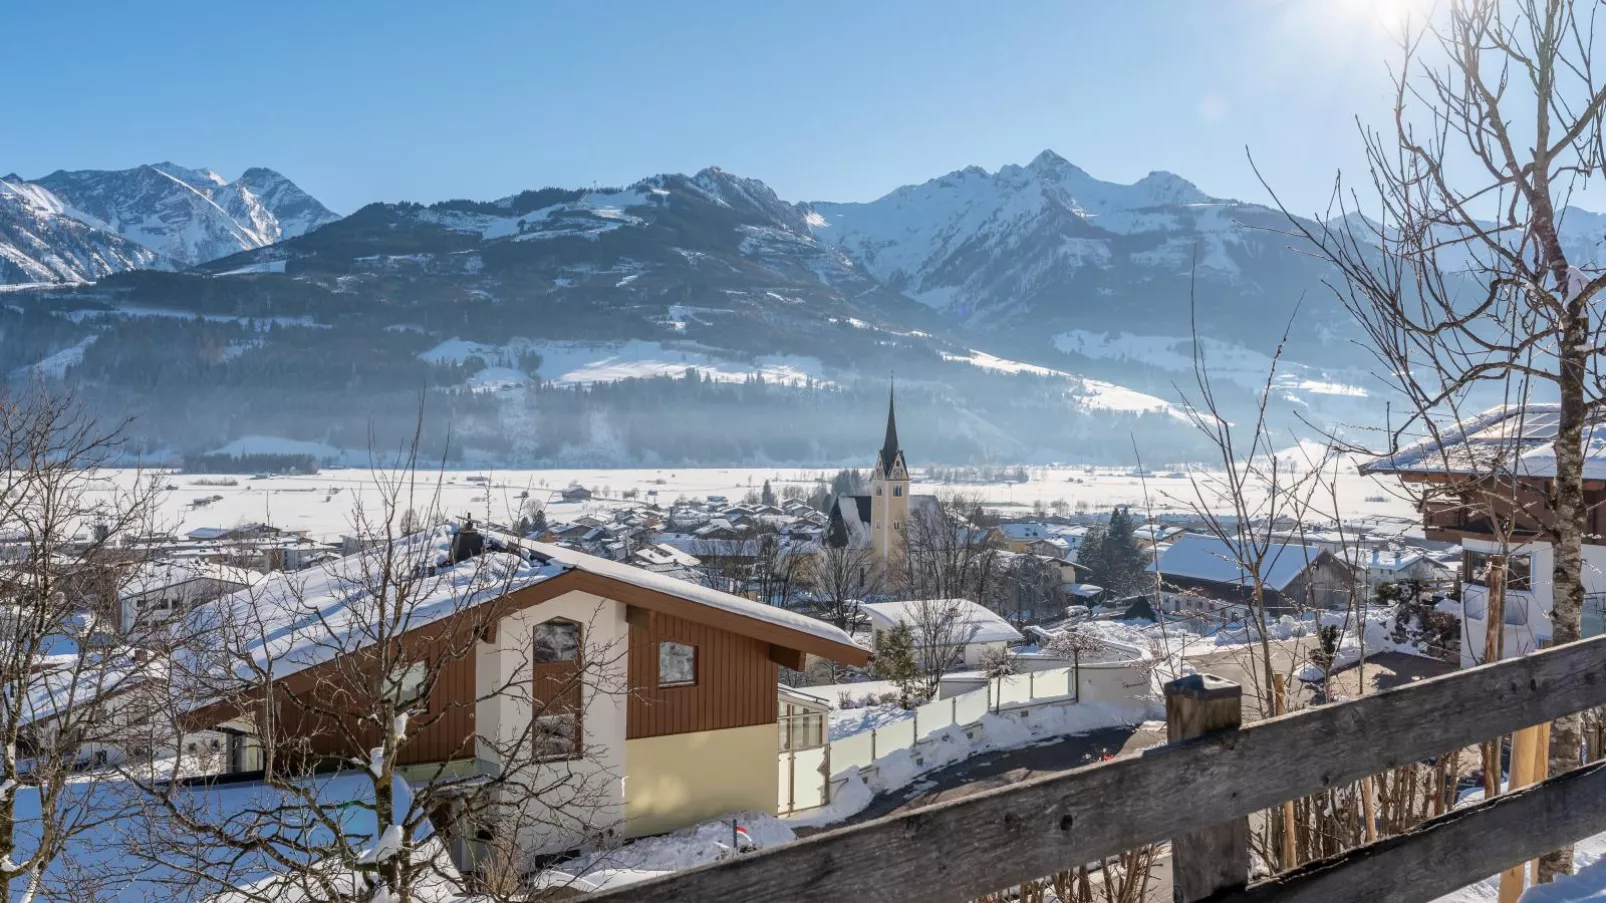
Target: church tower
x,y
889,498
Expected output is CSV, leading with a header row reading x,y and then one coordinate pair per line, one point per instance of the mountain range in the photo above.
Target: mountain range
x,y
82,225
1065,294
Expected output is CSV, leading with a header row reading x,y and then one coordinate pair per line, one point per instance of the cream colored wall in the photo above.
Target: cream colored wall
x,y
682,779
581,798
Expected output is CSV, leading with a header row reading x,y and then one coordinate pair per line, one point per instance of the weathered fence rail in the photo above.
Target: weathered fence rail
x,y
995,839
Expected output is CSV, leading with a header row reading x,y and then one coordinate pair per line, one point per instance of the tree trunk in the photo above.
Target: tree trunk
x,y
1567,586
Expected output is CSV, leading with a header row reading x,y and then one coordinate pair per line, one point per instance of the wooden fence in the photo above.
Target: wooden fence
x,y
1201,790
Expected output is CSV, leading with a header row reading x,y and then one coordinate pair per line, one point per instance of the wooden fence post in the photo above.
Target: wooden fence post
x,y
1217,858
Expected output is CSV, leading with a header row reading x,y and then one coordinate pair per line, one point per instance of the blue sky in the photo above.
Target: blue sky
x,y
361,101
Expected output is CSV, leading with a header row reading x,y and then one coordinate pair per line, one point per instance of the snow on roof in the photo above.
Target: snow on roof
x,y
130,853
703,595
156,575
68,677
1022,532
1384,559
979,623
1199,557
1516,440
295,620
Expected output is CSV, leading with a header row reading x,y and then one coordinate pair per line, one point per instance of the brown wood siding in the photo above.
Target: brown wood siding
x,y
735,686
442,730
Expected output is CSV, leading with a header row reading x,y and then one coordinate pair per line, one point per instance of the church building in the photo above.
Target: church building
x,y
879,520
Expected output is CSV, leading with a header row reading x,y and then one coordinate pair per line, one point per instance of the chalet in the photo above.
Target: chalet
x,y
1486,485
1200,572
679,726
576,493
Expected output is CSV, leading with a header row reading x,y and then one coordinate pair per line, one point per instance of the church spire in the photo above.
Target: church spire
x,y
889,448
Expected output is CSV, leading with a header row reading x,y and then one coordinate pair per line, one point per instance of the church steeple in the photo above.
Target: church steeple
x,y
889,448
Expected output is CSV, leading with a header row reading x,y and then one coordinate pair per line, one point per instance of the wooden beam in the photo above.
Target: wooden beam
x,y
964,848
788,658
1214,859
1451,851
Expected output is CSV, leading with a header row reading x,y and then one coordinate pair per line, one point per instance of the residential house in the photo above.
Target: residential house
x,y
1486,485
1202,573
694,737
160,590
1018,537
973,631
575,493
1380,566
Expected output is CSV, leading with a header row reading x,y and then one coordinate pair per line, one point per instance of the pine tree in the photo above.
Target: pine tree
x,y
1112,553
767,496
895,661
538,523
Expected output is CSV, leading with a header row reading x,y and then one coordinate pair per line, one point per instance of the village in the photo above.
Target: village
x,y
651,684
725,452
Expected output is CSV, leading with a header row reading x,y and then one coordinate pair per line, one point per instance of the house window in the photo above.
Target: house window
x,y
557,641
407,683
897,490
557,736
878,490
1475,570
677,664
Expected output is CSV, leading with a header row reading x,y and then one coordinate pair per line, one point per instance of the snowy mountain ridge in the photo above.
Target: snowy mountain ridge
x,y
181,216
984,246
43,239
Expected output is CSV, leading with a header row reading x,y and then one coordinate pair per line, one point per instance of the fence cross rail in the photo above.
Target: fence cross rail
x,y
964,848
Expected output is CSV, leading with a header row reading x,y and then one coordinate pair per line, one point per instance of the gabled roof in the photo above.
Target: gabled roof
x,y
978,624
1198,557
1506,440
301,619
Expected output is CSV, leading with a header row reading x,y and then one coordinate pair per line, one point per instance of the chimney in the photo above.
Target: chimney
x,y
467,542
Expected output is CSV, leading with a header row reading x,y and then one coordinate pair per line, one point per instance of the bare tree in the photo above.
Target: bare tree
x,y
1461,279
948,555
840,578
362,664
61,663
940,633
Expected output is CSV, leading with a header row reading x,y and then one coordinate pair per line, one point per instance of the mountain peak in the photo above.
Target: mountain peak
x,y
1169,188
1048,161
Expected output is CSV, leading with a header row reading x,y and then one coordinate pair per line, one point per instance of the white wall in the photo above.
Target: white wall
x,y
586,798
1531,609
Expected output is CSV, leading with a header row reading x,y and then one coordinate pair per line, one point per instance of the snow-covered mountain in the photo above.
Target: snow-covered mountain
x,y
1029,248
43,240
188,216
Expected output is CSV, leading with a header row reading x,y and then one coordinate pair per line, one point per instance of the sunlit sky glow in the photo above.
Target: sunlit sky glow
x,y
362,100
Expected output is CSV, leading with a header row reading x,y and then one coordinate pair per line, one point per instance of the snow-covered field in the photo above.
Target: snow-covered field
x,y
322,504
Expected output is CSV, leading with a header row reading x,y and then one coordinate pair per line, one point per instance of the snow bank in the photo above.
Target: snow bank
x,y
847,722
1011,729
1589,857
650,857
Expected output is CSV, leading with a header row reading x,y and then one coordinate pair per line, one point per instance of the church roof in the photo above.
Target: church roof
x,y
889,447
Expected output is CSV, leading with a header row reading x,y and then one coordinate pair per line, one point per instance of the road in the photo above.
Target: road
x,y
1000,769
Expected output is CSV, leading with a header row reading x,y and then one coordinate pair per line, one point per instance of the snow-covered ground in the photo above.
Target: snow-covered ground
x,y
951,745
322,504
